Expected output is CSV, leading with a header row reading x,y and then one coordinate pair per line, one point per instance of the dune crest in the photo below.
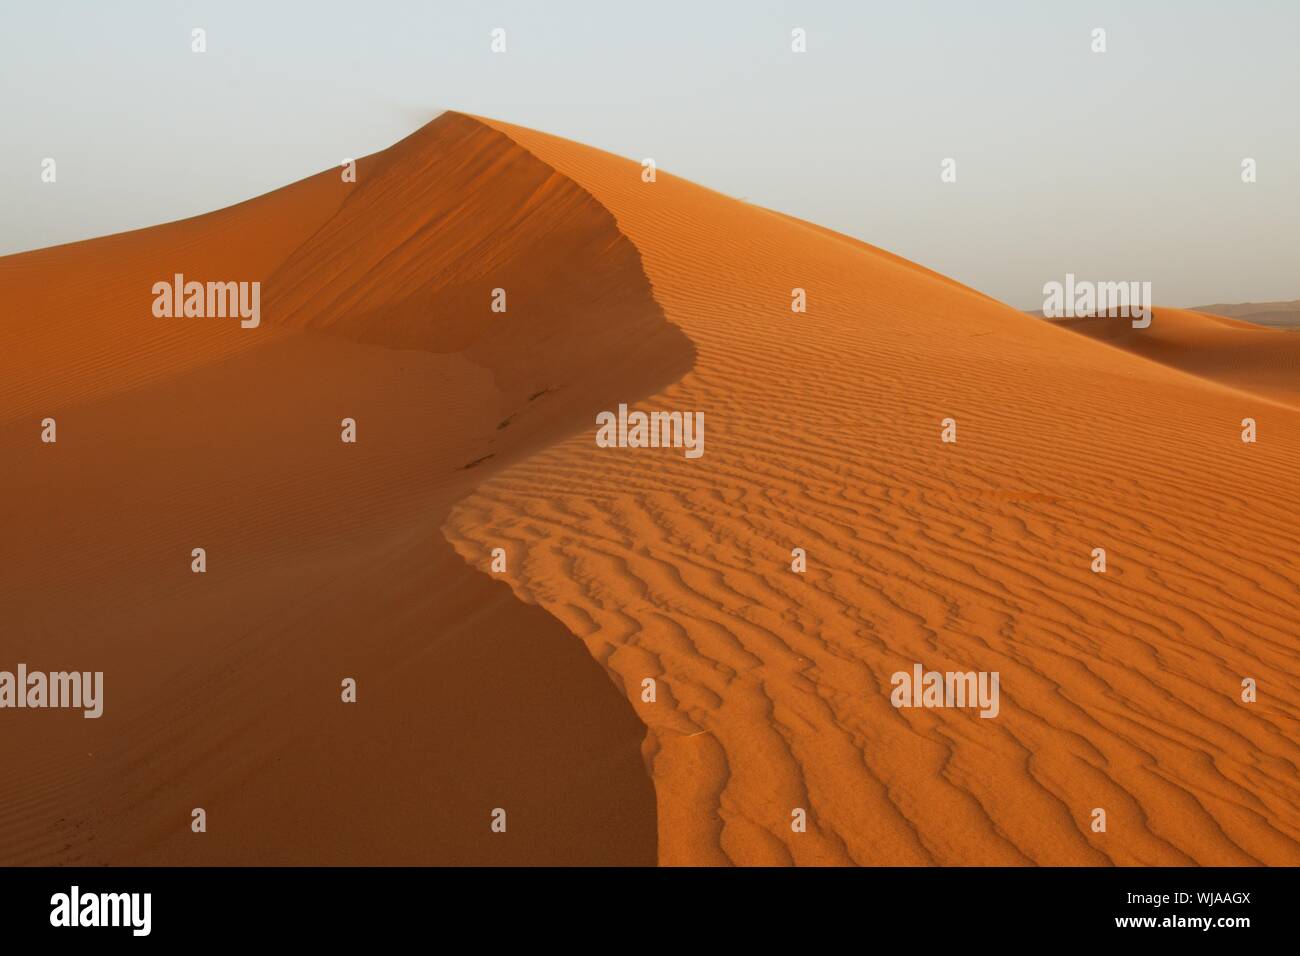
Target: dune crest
x,y
1278,315
466,212
324,559
1119,691
1254,358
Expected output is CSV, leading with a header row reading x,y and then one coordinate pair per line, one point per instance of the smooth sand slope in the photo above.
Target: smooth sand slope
x,y
1250,357
1281,315
1119,690
325,560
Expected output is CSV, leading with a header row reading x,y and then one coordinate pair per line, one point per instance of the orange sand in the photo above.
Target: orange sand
x,y
1249,357
325,560
1282,315
476,430
1119,691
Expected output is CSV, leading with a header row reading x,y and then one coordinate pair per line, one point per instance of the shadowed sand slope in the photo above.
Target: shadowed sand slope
x,y
325,560
1230,351
1120,690
455,212
79,323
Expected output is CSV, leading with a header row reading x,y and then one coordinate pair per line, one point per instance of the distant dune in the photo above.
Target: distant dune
x,y
1278,315
1283,315
524,689
1256,359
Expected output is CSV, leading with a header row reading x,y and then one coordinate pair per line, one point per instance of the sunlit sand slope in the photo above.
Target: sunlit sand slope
x,y
1120,691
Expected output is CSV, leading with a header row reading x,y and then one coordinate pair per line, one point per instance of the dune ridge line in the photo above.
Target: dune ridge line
x,y
1119,690
324,559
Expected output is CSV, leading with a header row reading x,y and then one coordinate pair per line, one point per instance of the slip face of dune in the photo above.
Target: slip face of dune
x,y
1120,691
575,307
324,560
1232,352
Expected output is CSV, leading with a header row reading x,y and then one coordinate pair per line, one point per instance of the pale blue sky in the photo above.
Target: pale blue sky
x,y
1122,165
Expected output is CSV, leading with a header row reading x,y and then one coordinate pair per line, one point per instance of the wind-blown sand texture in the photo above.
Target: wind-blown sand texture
x,y
1119,690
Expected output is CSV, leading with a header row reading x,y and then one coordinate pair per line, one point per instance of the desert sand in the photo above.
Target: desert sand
x,y
1257,359
1119,690
325,559
523,689
1280,315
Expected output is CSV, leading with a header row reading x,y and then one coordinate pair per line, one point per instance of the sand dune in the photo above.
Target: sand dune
x,y
325,559
1120,691
476,431
1234,352
1280,315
